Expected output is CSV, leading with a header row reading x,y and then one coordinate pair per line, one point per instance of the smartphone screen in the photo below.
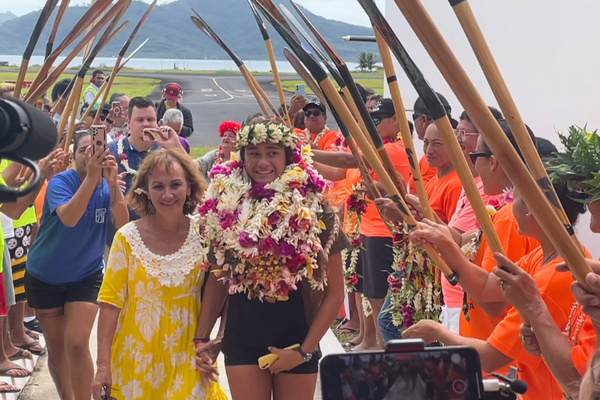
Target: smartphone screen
x,y
98,137
431,374
300,90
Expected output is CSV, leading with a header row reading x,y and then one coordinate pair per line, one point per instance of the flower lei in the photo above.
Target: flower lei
x,y
319,135
123,158
219,156
265,238
415,289
356,205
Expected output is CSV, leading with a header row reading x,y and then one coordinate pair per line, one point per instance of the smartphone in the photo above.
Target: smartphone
x,y
300,90
98,137
116,108
154,135
452,373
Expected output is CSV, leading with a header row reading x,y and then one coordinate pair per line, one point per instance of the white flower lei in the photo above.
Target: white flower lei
x,y
319,135
237,225
124,162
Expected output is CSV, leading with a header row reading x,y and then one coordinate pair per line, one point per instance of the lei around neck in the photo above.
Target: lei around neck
x,y
265,238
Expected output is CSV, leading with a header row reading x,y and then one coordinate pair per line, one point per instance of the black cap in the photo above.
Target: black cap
x,y
419,107
384,106
314,103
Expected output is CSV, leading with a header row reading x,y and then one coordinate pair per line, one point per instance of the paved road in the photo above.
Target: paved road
x,y
213,99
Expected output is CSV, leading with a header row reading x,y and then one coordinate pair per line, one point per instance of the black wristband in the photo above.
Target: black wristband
x,y
109,121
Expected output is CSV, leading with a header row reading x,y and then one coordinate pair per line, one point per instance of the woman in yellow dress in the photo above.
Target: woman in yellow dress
x,y
150,297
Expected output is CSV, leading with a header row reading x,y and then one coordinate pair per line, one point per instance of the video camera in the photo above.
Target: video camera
x,y
26,134
407,370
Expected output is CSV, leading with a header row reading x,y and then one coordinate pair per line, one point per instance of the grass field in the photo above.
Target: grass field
x,y
374,83
199,151
132,86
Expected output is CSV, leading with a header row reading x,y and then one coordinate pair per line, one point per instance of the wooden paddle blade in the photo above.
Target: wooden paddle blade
x,y
261,25
59,15
133,53
331,68
136,29
203,26
328,49
268,6
300,70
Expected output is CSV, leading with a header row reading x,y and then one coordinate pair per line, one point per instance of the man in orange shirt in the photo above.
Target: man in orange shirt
x,y
422,119
317,132
376,255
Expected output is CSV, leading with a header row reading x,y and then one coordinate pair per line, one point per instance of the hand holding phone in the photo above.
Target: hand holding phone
x,y
300,90
155,135
116,109
98,137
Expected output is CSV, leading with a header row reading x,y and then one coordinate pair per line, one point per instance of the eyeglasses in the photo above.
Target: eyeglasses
x,y
463,133
316,113
377,120
475,155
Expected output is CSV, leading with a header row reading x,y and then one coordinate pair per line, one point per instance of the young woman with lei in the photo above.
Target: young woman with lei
x,y
275,244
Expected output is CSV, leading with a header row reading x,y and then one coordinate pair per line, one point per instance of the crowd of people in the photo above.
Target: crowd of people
x,y
271,232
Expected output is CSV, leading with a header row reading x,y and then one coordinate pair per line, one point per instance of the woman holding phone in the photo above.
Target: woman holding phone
x,y
64,267
266,215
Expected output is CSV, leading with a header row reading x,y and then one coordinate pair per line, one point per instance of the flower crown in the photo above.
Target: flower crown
x,y
578,165
265,132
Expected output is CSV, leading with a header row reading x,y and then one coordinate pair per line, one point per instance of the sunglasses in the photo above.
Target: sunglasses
x,y
475,155
377,120
316,113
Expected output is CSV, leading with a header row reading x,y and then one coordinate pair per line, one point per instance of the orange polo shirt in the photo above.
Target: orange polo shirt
x,y
427,173
327,141
443,194
372,225
515,246
555,290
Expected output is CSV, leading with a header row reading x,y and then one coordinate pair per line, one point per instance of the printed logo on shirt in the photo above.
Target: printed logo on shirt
x,y
100,215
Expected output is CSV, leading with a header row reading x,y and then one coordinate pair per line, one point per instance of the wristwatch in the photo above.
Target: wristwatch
x,y
306,356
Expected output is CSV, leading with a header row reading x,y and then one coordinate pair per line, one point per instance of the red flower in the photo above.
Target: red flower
x,y
353,280
122,156
356,241
294,184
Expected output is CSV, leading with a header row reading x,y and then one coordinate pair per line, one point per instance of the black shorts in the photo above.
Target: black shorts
x,y
377,257
44,296
252,326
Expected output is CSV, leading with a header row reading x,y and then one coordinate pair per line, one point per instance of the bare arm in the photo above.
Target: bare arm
x,y
120,213
215,294
330,173
71,212
334,298
337,159
555,348
107,325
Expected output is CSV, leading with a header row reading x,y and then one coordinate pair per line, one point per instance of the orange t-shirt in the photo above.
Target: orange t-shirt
x,y
443,194
327,141
555,290
427,173
515,246
335,192
372,225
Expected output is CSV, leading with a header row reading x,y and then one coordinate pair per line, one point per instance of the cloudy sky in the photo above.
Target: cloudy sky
x,y
344,10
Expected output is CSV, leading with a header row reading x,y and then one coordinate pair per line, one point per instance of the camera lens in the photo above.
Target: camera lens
x,y
98,142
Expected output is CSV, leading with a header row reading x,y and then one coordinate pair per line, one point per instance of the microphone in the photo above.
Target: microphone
x,y
25,131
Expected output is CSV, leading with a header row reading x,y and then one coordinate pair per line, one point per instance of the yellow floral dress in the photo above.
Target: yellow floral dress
x,y
152,354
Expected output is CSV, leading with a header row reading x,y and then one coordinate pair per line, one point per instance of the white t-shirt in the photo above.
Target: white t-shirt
x,y
7,227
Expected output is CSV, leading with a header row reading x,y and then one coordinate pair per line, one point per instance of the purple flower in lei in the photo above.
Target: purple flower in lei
x,y
314,181
274,218
209,205
284,250
259,192
407,316
295,157
246,241
267,245
227,218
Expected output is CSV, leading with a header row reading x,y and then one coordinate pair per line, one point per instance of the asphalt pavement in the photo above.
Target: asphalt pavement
x,y
215,98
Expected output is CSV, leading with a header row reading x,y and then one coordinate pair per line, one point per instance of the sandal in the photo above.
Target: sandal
x,y
4,371
342,331
21,354
8,388
29,346
32,334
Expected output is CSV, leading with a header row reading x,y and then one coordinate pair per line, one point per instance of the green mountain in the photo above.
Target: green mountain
x,y
172,34
6,16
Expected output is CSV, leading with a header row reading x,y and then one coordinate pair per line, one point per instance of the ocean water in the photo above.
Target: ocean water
x,y
155,64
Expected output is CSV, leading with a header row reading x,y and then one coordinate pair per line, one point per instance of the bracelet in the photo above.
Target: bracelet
x,y
200,340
